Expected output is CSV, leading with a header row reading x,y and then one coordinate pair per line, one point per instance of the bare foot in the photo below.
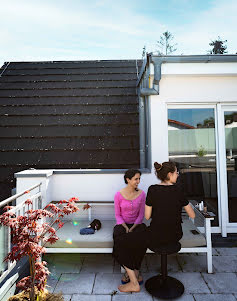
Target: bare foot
x,y
139,278
129,288
126,279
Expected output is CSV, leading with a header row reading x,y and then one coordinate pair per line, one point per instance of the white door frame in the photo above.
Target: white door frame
x,y
227,227
221,217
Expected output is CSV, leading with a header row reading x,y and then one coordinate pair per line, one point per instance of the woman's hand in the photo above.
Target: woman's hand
x,y
132,228
126,227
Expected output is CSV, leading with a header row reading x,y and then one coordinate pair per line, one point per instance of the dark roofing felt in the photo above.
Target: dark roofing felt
x,y
81,114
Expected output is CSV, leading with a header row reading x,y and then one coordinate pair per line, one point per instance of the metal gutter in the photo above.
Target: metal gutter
x,y
158,60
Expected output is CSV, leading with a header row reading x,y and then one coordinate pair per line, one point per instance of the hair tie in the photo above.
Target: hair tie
x,y
159,168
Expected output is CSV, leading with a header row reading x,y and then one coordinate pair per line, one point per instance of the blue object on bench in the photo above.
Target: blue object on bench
x,y
87,231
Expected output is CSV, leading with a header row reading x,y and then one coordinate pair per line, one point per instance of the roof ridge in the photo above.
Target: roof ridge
x,y
79,61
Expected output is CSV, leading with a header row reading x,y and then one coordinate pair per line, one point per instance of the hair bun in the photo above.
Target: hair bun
x,y
157,166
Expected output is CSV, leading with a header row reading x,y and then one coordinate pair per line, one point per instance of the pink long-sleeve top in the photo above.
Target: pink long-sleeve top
x,y
129,212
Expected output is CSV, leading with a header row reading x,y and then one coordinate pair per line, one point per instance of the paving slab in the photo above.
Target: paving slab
x,y
225,263
67,297
227,251
133,297
51,284
193,282
78,297
64,258
225,283
63,263
192,263
77,283
184,297
214,297
107,283
98,263
154,263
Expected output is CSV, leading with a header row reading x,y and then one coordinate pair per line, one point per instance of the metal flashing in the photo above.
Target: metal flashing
x,y
5,68
158,60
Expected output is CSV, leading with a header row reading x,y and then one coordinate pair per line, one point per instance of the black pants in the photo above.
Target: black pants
x,y
129,248
156,239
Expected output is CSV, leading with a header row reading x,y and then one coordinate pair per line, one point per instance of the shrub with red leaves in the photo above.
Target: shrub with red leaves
x,y
29,235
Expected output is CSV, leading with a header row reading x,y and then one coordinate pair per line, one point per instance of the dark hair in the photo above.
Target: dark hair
x,y
96,224
130,173
163,169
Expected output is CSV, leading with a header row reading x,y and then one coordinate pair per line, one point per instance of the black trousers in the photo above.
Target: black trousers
x,y
129,248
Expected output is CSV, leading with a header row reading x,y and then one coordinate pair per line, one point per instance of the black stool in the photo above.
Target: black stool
x,y
163,286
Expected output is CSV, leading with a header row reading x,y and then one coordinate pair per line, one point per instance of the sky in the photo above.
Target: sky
x,y
54,30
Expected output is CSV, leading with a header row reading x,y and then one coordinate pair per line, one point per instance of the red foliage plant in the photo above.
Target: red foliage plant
x,y
30,232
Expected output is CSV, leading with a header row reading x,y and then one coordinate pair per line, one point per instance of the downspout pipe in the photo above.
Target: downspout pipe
x,y
157,76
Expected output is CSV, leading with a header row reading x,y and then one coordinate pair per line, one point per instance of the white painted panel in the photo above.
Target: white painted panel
x,y
92,187
197,89
199,68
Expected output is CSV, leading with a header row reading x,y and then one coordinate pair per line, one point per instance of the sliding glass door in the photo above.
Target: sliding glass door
x,y
192,145
229,115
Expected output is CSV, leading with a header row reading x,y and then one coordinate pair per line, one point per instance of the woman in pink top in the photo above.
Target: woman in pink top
x,y
128,249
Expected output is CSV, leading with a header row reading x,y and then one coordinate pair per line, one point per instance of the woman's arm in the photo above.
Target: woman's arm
x,y
148,207
141,208
117,209
140,216
148,211
189,211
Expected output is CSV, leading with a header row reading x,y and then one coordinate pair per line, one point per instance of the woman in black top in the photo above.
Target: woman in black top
x,y
164,204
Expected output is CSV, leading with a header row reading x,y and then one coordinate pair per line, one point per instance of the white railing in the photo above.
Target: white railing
x,y
33,193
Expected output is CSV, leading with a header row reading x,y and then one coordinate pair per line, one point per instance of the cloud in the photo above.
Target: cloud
x,y
218,20
105,29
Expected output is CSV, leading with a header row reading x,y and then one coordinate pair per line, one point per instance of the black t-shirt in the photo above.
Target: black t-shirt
x,y
167,202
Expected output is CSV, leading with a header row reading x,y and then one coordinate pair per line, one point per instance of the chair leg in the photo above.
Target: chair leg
x,y
163,286
164,266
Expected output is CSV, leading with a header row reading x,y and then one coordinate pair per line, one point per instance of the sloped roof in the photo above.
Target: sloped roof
x,y
70,114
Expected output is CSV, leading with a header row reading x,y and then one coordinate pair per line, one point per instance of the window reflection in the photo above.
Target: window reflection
x,y
191,135
231,162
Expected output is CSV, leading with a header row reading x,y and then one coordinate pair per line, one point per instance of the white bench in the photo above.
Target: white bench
x,y
70,240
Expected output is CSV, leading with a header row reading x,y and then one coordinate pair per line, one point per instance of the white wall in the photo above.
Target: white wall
x,y
30,179
198,89
91,187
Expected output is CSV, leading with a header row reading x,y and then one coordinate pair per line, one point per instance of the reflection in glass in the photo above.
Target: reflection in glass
x,y
191,135
231,162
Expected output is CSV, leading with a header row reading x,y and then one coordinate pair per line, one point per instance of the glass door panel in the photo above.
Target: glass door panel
x,y
230,120
192,146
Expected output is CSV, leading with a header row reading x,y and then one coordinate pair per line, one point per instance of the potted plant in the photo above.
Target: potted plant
x,y
29,233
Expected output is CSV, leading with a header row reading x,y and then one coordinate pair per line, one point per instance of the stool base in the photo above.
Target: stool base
x,y
165,289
